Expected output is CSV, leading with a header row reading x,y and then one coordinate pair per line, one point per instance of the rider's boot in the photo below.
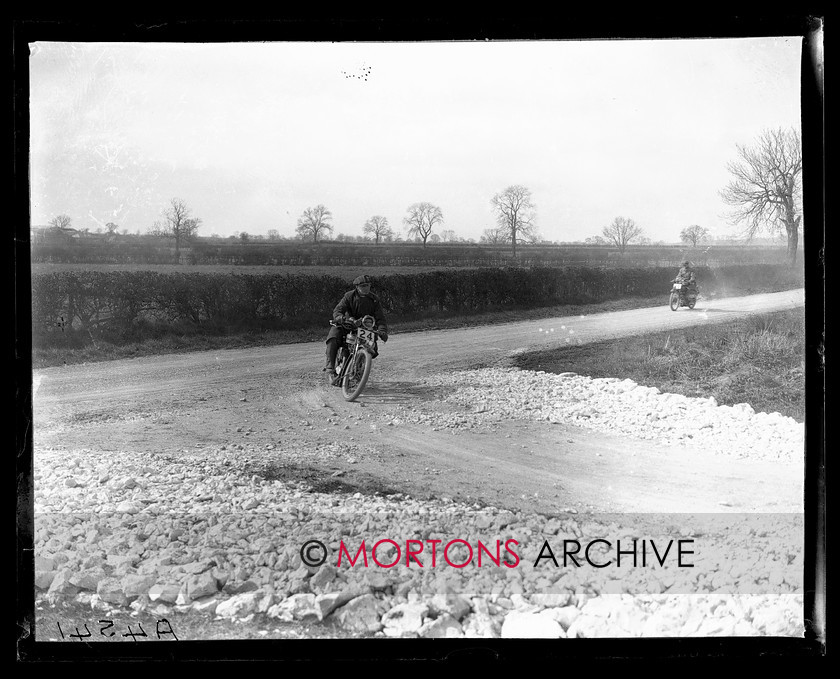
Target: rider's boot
x,y
332,351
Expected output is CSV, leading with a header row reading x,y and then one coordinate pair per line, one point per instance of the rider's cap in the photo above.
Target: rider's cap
x,y
362,280
686,263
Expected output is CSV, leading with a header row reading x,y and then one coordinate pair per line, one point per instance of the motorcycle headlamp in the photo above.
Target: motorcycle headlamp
x,y
368,322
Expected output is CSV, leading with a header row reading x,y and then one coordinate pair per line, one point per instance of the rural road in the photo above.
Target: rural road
x,y
272,404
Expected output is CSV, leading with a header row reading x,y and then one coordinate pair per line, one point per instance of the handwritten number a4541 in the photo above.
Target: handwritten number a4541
x,y
106,630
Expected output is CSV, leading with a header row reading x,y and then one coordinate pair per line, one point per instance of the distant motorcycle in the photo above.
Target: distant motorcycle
x,y
682,295
355,356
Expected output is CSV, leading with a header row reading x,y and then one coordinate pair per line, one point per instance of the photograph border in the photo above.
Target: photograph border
x,y
190,29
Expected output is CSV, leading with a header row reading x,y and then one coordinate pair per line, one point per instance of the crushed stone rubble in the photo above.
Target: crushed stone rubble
x,y
197,532
616,406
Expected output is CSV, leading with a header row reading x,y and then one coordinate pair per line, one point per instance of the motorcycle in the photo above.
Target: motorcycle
x,y
355,356
682,295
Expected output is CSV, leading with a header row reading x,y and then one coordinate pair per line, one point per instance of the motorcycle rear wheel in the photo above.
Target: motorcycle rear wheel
x,y
674,301
692,302
356,376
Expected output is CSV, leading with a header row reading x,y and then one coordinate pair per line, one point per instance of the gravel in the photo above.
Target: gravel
x,y
622,407
197,532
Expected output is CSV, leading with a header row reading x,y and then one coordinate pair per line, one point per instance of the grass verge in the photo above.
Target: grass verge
x,y
758,360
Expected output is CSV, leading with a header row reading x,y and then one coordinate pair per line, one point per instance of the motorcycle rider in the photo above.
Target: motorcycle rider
x,y
688,279
355,303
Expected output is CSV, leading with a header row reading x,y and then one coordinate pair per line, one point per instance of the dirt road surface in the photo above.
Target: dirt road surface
x,y
273,405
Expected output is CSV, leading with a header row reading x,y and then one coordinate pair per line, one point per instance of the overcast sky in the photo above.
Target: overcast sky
x,y
251,134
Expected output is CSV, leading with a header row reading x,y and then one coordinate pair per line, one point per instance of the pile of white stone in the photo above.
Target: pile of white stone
x,y
622,407
196,533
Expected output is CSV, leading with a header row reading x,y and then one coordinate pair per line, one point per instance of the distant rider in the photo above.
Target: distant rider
x,y
687,278
355,304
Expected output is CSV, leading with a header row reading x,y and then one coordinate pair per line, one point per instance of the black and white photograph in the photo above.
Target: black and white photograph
x,y
473,340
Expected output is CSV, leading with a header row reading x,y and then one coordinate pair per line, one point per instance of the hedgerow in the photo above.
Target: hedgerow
x,y
119,306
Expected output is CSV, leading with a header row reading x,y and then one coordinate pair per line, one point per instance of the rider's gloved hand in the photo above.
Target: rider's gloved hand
x,y
383,335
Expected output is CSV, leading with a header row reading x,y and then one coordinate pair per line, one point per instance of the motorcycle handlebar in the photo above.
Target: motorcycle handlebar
x,y
350,325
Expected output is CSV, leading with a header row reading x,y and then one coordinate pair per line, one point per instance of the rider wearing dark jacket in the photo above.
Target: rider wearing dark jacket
x,y
686,277
355,304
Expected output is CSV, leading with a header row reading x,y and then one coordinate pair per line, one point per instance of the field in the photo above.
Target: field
x,y
348,272
95,249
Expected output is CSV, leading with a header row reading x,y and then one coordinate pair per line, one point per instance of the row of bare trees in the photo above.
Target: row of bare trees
x,y
513,208
765,193
176,222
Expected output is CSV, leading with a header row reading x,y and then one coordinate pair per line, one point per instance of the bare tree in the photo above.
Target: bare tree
x,y
448,236
273,234
421,219
378,227
515,213
694,234
314,222
622,232
60,222
178,224
495,236
766,190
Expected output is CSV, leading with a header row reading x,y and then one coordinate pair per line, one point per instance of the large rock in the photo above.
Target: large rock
x,y
551,599
480,625
404,619
330,601
43,563
110,590
301,607
61,587
121,561
524,625
206,605
238,587
198,567
444,627
43,579
322,578
609,615
88,579
450,603
129,507
137,585
242,605
202,585
164,593
362,614
565,615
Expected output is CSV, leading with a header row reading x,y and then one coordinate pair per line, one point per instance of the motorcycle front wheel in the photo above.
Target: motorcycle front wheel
x,y
674,301
356,376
